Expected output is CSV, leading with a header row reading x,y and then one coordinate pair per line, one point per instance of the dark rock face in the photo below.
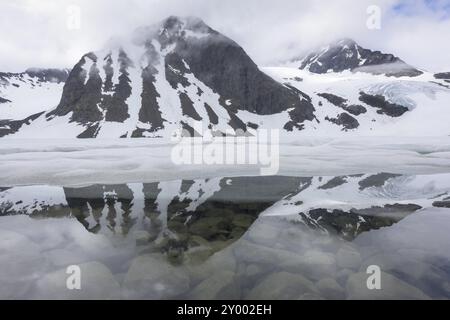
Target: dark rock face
x,y
443,75
213,118
299,114
187,107
252,125
109,73
83,95
354,109
3,100
12,126
90,132
175,71
224,66
376,180
150,112
345,120
384,106
346,54
333,183
442,204
334,99
81,98
236,123
115,105
212,58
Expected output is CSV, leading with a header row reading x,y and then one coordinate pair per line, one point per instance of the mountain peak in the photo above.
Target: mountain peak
x,y
176,25
345,54
189,21
173,29
345,42
174,75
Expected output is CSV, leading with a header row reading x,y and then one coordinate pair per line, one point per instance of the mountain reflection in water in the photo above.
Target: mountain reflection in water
x,y
177,215
193,222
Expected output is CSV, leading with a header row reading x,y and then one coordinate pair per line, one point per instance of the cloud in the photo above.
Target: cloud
x,y
35,32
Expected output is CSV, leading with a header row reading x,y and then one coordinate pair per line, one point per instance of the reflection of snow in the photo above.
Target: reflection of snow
x,y
421,190
33,249
27,199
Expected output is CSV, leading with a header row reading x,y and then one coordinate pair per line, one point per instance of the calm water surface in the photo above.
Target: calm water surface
x,y
229,238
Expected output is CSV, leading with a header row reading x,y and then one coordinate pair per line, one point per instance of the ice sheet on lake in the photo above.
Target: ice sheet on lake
x,y
83,162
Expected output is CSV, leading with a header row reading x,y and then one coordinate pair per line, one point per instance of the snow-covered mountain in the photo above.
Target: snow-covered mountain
x,y
182,74
354,89
366,104
346,54
25,94
166,77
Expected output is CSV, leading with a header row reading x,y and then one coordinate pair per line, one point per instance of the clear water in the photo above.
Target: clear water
x,y
229,238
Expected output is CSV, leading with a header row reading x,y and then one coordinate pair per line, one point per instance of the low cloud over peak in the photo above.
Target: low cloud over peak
x,y
48,33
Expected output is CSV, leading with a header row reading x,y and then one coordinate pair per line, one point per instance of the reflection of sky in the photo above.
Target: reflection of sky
x,y
440,8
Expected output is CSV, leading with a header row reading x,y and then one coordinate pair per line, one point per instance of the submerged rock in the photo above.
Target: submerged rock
x,y
21,264
314,264
150,276
342,276
282,285
221,285
209,227
220,261
248,252
330,289
243,220
64,257
348,257
142,237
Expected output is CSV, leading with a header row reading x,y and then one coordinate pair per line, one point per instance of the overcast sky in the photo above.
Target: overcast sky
x,y
40,33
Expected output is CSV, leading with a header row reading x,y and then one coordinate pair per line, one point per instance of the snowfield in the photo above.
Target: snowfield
x,y
28,96
427,99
